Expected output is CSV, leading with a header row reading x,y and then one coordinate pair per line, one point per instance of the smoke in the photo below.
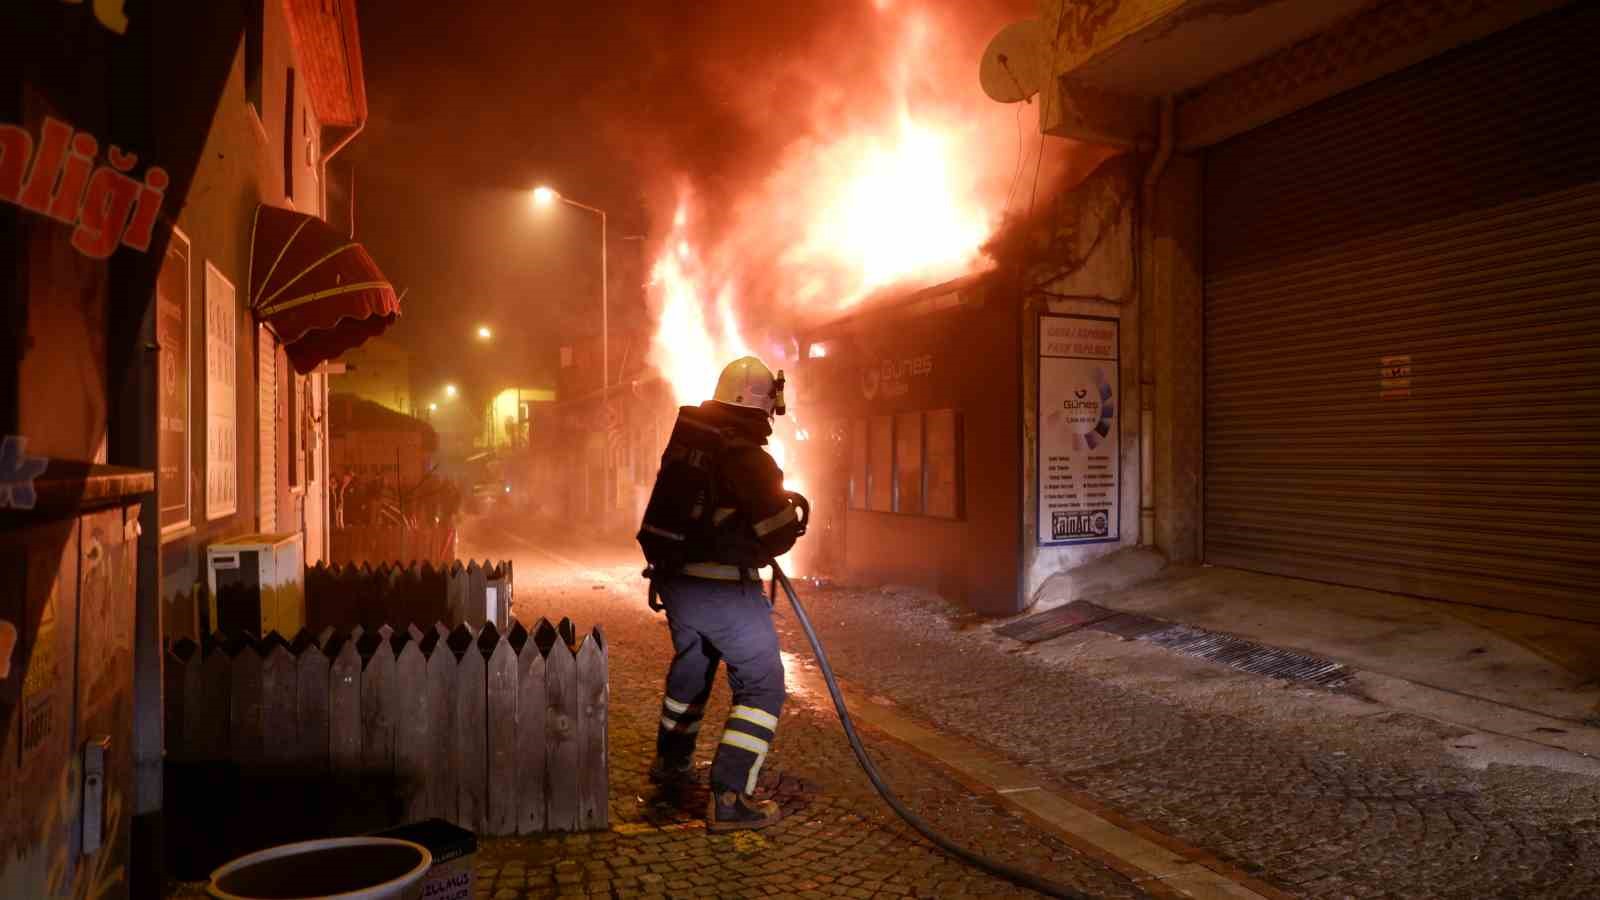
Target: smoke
x,y
755,119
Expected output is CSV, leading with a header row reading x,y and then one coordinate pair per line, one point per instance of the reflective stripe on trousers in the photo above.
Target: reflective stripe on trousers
x,y
714,622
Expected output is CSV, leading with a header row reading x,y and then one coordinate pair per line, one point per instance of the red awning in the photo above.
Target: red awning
x,y
316,289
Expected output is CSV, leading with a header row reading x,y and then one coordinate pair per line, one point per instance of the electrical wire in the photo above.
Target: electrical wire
x,y
1013,875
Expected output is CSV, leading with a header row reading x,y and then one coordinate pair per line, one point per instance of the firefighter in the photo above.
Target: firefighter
x,y
717,514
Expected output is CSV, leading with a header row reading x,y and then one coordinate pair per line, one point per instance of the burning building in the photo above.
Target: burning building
x,y
910,419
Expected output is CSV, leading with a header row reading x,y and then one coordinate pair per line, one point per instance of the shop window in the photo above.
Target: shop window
x,y
880,464
908,463
942,463
858,464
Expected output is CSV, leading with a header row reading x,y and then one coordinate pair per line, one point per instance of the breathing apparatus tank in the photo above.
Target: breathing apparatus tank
x,y
678,519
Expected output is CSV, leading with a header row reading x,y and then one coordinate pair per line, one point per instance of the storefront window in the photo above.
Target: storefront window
x,y
941,461
858,464
908,463
880,464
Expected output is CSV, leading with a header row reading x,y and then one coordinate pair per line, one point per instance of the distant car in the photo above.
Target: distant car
x,y
491,494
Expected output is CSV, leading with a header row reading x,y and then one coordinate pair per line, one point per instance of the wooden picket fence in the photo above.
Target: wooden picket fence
x,y
500,734
364,543
471,594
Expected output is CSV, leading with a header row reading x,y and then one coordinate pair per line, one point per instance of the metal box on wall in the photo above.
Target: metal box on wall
x,y
256,583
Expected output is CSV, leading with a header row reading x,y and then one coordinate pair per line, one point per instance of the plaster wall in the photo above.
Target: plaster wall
x,y
240,167
1110,246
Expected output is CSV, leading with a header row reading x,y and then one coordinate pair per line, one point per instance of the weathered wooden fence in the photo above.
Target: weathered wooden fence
x,y
501,734
471,594
367,543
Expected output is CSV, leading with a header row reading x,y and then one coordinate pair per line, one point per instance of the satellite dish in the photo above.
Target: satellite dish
x,y
1014,64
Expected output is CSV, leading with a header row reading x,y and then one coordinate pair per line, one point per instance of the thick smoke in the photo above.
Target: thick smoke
x,y
752,115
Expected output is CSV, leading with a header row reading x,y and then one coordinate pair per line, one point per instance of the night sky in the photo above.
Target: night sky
x,y
615,104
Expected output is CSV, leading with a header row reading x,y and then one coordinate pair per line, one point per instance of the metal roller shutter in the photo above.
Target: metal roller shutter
x,y
1447,217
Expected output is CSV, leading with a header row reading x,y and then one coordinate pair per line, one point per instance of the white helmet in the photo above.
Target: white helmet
x,y
748,382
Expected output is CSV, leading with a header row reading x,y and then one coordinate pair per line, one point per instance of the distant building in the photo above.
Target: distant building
x,y
368,440
509,418
380,371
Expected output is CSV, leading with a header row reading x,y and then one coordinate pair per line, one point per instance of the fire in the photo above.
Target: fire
x,y
896,191
890,209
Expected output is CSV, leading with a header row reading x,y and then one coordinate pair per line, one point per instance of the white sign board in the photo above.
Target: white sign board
x,y
222,396
1079,465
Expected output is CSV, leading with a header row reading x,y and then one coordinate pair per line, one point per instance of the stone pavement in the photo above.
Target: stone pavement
x,y
1315,793
1318,793
837,838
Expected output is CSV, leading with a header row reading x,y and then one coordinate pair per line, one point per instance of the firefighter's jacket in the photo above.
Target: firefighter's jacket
x,y
753,521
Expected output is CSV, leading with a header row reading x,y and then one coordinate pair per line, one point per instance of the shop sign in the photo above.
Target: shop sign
x,y
891,378
58,177
1079,463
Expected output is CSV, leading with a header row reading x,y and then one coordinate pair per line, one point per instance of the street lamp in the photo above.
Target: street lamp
x,y
449,390
484,333
543,197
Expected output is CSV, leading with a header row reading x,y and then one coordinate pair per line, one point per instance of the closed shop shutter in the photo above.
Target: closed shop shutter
x,y
267,419
1402,354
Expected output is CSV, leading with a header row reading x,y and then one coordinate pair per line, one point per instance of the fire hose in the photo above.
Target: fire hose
x,y
1013,875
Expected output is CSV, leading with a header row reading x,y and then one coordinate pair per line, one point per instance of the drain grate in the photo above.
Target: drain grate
x,y
1249,656
1054,622
1235,652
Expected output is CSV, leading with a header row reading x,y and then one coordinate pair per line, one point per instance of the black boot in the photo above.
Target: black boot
x,y
671,772
730,810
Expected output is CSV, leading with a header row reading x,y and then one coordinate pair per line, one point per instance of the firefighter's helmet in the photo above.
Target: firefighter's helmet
x,y
748,382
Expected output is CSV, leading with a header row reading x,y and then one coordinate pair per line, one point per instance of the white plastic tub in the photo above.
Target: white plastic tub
x,y
353,868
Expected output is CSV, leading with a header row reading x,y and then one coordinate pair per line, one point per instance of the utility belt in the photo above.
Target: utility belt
x,y
707,570
719,572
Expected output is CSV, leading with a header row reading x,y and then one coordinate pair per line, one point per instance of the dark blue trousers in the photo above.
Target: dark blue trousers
x,y
716,622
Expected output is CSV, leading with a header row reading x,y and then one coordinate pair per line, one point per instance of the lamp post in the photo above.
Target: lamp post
x,y
543,196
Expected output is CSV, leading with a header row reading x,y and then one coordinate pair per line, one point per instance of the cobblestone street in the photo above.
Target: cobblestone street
x,y
837,838
1315,793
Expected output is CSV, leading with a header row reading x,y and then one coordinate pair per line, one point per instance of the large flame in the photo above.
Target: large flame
x,y
893,192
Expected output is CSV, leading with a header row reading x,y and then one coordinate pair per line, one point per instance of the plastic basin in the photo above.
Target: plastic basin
x,y
353,868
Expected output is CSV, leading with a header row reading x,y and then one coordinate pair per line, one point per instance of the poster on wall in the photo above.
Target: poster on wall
x,y
222,396
1079,451
172,336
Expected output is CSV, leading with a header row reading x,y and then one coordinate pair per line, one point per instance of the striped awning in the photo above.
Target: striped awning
x,y
318,291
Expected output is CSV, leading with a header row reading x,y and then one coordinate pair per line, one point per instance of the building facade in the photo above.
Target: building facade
x,y
379,371
1349,262
163,174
